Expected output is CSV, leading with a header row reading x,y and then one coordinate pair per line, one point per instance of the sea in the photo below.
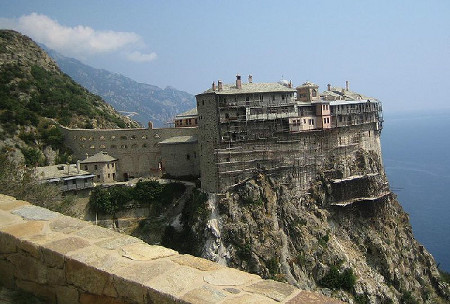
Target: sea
x,y
416,157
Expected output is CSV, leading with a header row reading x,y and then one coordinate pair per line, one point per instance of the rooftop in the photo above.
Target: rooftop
x,y
100,157
251,88
59,171
190,113
179,140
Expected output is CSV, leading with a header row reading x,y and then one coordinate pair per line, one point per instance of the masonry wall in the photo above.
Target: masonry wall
x,y
208,139
66,260
137,150
181,159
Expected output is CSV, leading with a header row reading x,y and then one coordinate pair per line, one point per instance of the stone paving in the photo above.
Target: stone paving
x,y
65,260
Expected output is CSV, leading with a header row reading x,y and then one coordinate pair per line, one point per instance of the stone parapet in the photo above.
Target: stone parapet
x,y
66,260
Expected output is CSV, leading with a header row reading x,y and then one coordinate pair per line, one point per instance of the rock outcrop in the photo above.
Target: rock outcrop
x,y
348,234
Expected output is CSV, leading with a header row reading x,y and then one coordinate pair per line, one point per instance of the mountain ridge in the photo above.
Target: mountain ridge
x,y
150,102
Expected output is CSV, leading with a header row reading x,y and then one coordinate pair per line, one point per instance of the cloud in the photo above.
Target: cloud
x,y
78,41
137,56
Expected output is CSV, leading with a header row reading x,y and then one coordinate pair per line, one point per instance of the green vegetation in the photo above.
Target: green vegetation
x,y
336,280
149,193
18,181
407,298
323,241
250,201
445,276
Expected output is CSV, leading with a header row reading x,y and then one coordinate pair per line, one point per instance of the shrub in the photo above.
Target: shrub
x,y
335,280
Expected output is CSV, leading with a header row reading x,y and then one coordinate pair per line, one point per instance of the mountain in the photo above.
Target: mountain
x,y
150,102
35,95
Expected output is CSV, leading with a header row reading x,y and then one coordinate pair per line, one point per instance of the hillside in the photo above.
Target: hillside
x,y
150,102
34,94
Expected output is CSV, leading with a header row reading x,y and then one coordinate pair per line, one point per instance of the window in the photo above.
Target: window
x,y
188,157
196,121
85,167
107,165
114,175
98,176
247,98
273,97
109,175
95,167
74,182
314,93
112,165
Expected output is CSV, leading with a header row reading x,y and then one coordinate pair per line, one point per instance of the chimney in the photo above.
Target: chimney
x,y
78,166
347,85
250,79
238,82
150,125
329,87
219,85
213,86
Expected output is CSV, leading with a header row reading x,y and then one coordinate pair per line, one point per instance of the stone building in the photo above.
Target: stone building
x,y
66,177
187,119
244,128
102,166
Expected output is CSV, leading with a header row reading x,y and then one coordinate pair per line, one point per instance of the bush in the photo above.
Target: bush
x,y
335,280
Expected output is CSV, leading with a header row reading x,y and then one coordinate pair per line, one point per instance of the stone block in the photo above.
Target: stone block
x,y
145,252
7,219
100,258
86,298
96,233
11,204
143,272
129,290
87,278
250,299
118,242
35,213
56,276
52,258
40,290
28,268
205,294
30,248
230,277
66,224
66,245
177,282
272,289
66,295
195,262
25,229
8,244
7,274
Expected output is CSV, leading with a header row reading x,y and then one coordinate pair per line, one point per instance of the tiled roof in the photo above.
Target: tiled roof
x,y
251,88
101,157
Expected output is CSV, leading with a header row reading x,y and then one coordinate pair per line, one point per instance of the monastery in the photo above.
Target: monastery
x,y
240,129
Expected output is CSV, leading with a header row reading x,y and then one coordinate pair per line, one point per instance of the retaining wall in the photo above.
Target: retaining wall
x,y
66,260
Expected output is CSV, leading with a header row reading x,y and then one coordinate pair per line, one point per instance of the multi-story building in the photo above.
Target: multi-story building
x,y
249,127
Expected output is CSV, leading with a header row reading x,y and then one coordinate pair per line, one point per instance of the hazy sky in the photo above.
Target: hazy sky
x,y
397,51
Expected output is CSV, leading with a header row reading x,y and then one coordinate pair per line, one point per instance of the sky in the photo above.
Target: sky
x,y
396,51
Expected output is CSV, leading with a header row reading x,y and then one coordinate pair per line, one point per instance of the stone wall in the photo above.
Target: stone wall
x,y
65,260
137,150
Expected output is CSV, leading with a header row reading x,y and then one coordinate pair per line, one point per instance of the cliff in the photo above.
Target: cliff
x,y
343,232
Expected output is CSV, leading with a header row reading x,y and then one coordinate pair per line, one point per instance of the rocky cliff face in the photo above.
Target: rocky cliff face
x,y
347,232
